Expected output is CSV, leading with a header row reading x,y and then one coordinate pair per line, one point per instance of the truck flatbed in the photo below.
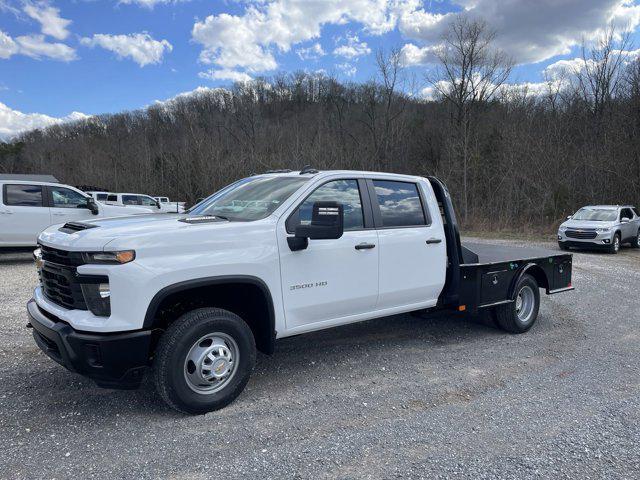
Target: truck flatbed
x,y
497,253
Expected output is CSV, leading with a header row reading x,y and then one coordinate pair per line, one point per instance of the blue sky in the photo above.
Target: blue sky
x,y
98,56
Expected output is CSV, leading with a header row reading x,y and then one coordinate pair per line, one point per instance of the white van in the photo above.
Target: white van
x,y
28,207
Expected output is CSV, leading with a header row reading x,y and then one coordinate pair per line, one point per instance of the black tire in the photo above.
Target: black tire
x,y
636,243
562,246
506,316
615,244
170,360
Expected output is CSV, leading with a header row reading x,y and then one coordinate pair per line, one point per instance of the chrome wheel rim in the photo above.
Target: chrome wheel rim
x,y
525,302
616,243
211,363
638,239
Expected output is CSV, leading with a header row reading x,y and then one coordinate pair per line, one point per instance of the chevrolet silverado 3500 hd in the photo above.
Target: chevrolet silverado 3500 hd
x,y
192,297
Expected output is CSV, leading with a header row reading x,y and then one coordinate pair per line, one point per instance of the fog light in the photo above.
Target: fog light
x,y
606,240
104,290
97,298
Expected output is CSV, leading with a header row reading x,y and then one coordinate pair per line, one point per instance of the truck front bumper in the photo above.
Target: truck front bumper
x,y
112,360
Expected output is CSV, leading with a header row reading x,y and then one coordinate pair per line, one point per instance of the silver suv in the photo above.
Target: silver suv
x,y
601,226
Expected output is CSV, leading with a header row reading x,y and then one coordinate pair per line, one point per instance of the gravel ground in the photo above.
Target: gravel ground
x,y
395,397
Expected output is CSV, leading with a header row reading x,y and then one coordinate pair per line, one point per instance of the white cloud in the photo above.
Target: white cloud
x,y
413,55
13,122
347,69
353,48
35,46
314,52
150,3
7,46
225,74
248,41
529,31
49,18
140,47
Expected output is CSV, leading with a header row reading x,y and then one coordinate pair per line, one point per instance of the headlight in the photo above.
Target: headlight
x,y
112,258
563,228
97,296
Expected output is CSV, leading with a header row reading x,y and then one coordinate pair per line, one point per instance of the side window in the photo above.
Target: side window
x,y
635,210
148,201
130,200
625,213
101,197
65,198
23,195
400,204
112,198
345,192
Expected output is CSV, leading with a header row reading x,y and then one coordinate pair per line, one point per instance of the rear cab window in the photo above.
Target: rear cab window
x,y
130,200
400,204
20,195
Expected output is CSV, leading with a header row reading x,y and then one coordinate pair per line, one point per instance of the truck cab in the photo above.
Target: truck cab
x,y
191,297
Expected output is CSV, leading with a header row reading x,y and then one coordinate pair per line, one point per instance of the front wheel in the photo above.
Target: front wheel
x,y
520,315
615,244
204,360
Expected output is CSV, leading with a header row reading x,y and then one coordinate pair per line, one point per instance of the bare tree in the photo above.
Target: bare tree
x,y
470,71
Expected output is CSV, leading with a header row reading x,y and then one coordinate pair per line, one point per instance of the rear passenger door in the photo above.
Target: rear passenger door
x,y
412,245
24,213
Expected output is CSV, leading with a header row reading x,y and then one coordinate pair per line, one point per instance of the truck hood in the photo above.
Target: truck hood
x,y
586,224
96,234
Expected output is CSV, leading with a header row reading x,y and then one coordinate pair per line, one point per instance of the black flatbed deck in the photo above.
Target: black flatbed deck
x,y
495,253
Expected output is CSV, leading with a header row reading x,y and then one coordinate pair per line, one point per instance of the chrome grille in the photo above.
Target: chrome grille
x,y
581,234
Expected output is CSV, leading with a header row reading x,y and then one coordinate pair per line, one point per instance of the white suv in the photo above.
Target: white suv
x,y
28,207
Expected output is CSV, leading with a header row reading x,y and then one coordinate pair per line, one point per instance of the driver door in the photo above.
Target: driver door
x,y
68,206
330,280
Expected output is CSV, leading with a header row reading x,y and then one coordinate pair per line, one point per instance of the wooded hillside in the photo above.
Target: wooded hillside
x,y
509,158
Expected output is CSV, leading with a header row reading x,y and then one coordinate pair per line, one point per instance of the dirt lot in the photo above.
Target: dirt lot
x,y
394,397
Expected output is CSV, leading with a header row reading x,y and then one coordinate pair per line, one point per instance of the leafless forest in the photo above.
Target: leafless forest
x,y
512,158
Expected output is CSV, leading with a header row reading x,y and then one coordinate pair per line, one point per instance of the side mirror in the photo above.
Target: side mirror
x,y
93,206
569,217
625,220
158,204
327,223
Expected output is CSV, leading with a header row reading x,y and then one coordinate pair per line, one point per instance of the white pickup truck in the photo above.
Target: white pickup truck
x,y
28,207
168,206
192,297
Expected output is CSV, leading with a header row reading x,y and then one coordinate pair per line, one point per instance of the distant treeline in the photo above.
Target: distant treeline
x,y
510,160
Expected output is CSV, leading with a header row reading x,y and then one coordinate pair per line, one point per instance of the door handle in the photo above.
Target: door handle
x,y
434,240
365,246
6,212
59,214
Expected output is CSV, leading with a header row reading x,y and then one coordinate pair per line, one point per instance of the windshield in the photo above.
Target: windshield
x,y
249,199
596,214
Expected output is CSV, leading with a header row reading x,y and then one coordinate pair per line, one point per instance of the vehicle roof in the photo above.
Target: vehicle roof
x,y
327,173
608,207
127,193
28,177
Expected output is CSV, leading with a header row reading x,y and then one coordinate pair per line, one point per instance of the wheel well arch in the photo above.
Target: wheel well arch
x,y
537,272
246,296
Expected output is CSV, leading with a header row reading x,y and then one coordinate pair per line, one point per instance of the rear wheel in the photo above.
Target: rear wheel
x,y
204,360
615,244
636,243
520,315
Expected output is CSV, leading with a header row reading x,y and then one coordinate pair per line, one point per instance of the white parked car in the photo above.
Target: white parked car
x,y
129,199
168,206
28,207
